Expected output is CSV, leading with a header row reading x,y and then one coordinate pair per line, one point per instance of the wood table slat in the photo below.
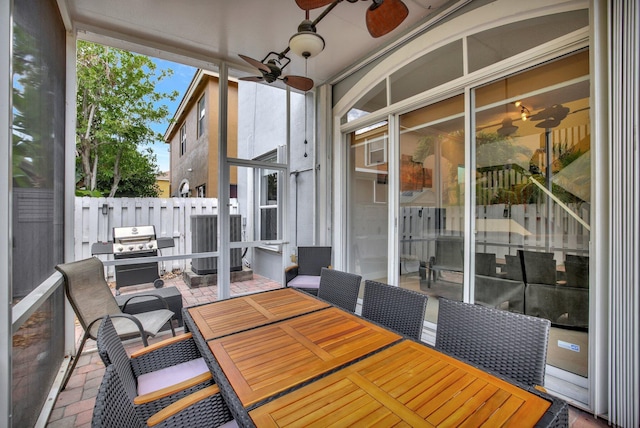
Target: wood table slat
x,y
262,362
456,394
230,316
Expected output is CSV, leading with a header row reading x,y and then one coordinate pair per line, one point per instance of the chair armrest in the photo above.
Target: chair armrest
x,y
182,404
162,344
171,390
290,272
160,298
290,268
166,353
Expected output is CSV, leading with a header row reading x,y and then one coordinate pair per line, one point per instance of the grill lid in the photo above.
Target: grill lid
x,y
134,239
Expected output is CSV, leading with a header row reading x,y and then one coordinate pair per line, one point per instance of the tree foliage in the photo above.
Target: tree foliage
x,y
117,102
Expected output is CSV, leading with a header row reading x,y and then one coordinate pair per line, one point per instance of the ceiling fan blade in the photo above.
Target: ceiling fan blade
x,y
312,4
385,17
252,78
257,64
298,82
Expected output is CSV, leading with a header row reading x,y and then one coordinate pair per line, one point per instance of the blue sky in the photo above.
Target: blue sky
x,y
179,81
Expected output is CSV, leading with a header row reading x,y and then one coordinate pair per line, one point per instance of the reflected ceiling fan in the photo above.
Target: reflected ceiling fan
x,y
382,17
550,116
271,68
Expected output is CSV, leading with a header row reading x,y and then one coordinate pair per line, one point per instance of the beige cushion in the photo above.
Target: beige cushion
x,y
153,381
305,281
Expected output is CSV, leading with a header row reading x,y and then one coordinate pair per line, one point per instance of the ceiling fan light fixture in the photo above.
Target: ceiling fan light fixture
x,y
306,42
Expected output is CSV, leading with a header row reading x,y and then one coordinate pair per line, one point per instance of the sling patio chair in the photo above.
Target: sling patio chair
x,y
510,344
114,408
397,308
92,299
339,288
157,375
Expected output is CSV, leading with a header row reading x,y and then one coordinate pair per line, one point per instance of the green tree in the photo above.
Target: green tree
x,y
117,102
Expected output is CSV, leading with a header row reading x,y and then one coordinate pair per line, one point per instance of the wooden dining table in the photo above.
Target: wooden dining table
x,y
240,313
326,366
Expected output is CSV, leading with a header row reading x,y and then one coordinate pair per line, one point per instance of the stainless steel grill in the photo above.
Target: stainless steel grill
x,y
132,242
135,239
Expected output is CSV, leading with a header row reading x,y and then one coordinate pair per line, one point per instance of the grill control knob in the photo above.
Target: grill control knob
x,y
140,246
130,247
120,248
150,245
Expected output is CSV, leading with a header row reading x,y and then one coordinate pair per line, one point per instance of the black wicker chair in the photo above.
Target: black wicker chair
x,y
157,375
114,408
92,299
306,274
339,288
397,308
506,343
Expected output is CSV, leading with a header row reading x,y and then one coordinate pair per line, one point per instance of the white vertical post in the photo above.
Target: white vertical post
x,y
224,235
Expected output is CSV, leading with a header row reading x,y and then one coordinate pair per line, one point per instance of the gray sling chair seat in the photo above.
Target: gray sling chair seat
x,y
513,345
397,308
114,408
92,299
339,288
156,375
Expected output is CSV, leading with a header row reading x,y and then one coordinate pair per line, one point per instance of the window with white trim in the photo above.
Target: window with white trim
x,y
201,115
183,139
268,199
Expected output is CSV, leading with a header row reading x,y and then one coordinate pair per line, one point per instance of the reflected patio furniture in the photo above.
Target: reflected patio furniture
x,y
449,257
538,267
577,271
339,288
305,275
494,290
157,375
114,408
563,304
92,299
397,308
510,344
567,304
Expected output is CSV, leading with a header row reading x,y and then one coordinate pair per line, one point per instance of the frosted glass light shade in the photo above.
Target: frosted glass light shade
x,y
306,44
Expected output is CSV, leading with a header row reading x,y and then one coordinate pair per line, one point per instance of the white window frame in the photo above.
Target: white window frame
x,y
201,114
371,149
261,195
183,139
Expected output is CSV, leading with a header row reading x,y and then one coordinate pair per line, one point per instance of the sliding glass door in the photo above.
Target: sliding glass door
x,y
533,201
431,201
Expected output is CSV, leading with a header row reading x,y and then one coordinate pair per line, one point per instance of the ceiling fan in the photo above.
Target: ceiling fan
x,y
382,17
271,68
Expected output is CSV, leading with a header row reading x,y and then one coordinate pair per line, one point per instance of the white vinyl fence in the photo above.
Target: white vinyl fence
x,y
95,219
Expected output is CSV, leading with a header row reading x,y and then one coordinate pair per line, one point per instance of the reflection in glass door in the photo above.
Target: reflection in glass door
x,y
533,201
431,195
368,202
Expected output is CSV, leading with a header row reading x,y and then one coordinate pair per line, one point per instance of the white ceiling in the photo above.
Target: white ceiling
x,y
211,30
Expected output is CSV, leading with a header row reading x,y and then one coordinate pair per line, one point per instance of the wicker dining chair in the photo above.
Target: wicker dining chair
x,y
305,275
92,299
397,308
157,375
507,343
339,288
115,409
